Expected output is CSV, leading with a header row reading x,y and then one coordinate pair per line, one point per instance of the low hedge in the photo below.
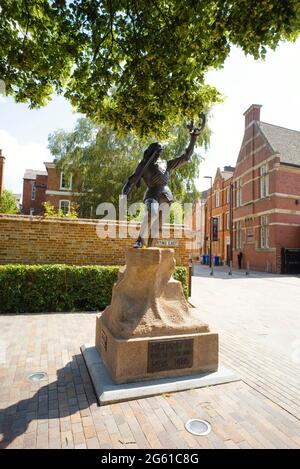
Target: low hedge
x,y
58,288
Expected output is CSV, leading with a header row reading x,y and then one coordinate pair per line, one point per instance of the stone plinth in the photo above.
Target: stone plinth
x,y
149,331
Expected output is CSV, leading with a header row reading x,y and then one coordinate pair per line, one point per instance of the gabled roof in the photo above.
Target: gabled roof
x,y
226,174
33,173
284,141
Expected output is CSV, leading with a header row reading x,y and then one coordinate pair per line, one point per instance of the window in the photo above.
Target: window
x,y
264,181
33,191
218,198
65,181
228,195
238,193
64,205
238,235
32,211
227,221
264,232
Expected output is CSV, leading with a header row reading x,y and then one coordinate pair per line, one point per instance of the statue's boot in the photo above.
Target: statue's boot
x,y
139,243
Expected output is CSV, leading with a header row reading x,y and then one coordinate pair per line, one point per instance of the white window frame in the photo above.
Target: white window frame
x,y
69,205
33,191
64,187
264,232
217,198
264,182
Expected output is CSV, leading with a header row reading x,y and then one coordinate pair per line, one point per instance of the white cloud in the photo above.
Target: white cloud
x,y
18,157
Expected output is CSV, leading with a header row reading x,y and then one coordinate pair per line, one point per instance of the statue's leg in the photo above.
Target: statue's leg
x,y
160,214
153,222
164,216
149,225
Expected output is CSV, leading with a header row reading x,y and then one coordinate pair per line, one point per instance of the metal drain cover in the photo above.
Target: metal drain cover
x,y
198,427
39,376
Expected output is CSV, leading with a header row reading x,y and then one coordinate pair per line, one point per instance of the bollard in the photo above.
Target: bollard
x,y
230,268
212,268
248,268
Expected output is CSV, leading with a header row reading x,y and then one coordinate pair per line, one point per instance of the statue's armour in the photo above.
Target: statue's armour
x,y
157,176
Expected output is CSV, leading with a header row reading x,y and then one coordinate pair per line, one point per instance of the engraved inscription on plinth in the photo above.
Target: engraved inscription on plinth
x,y
170,355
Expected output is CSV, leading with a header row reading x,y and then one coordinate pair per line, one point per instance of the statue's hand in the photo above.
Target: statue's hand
x,y
196,132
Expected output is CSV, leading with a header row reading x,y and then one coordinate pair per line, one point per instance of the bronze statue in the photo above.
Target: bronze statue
x,y
156,173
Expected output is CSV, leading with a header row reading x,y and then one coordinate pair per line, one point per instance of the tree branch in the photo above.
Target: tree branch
x,y
27,24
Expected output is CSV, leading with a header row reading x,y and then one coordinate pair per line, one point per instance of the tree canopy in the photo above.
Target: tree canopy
x,y
101,161
8,202
135,64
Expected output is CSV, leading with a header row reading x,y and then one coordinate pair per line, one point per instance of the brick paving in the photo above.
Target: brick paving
x,y
259,411
259,324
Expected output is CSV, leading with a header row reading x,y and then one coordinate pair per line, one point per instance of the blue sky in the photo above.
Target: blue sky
x,y
273,83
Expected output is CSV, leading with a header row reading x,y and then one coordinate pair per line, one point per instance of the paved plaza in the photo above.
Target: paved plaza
x,y
258,320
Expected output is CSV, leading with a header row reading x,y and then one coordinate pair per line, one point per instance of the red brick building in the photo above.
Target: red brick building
x,y
34,191
218,207
257,203
266,211
51,186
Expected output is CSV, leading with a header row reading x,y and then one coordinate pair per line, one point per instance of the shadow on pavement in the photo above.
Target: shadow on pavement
x,y
70,393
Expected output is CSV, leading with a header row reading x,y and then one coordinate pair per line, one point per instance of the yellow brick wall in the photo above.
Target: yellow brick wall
x,y
31,240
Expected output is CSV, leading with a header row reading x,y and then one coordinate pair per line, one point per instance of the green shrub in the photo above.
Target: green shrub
x,y
57,288
182,275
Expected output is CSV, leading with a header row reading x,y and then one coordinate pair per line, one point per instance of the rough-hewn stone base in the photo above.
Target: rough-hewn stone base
x,y
144,358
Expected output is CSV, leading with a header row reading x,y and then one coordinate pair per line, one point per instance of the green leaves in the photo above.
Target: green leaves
x,y
55,288
8,202
102,160
136,65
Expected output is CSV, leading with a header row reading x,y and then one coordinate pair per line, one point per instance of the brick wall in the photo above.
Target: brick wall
x,y
30,240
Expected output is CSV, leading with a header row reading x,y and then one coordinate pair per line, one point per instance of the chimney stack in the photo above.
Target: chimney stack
x,y
229,168
2,160
252,114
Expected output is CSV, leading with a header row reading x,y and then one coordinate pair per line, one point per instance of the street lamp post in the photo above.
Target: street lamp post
x,y
210,221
